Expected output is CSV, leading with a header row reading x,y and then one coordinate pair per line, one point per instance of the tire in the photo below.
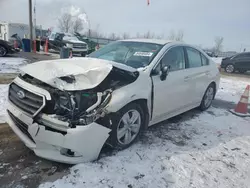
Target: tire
x,y
242,71
208,97
122,141
230,68
3,51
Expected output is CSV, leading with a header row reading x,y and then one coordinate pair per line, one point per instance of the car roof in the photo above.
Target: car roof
x,y
155,41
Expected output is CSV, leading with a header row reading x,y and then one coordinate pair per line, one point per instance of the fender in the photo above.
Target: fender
x,y
140,89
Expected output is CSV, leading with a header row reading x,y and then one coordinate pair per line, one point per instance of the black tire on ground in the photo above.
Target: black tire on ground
x,y
3,51
118,123
242,71
230,68
208,97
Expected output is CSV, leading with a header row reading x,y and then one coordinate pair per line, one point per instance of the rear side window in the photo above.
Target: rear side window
x,y
204,60
194,58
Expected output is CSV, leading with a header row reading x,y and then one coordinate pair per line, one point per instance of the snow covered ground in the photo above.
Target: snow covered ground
x,y
3,98
11,65
209,149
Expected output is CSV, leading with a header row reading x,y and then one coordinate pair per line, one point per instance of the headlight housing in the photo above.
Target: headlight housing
x,y
69,45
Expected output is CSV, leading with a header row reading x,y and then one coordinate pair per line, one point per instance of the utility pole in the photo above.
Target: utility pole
x,y
30,23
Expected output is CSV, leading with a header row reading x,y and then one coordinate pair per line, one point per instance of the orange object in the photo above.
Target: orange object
x,y
241,108
34,46
15,44
46,46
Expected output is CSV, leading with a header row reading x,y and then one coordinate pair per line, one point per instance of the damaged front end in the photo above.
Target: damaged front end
x,y
59,124
85,106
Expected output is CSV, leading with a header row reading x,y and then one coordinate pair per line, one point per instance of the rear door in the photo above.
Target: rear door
x,y
242,61
199,70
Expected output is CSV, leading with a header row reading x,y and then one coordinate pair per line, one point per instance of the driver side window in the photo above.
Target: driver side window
x,y
175,58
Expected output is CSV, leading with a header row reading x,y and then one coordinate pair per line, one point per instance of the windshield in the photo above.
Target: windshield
x,y
134,54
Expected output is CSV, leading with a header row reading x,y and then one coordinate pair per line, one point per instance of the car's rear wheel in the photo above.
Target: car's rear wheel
x,y
127,125
208,97
3,51
230,68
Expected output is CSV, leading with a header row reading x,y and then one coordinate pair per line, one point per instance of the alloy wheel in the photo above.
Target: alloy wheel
x,y
230,68
3,51
209,97
128,127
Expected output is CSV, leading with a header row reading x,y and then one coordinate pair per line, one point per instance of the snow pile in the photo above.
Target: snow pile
x,y
209,149
231,90
3,99
11,65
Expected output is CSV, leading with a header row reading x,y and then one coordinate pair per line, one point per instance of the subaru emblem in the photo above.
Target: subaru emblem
x,y
21,94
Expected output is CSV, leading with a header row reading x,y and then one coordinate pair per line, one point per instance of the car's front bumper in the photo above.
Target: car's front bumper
x,y
79,50
84,142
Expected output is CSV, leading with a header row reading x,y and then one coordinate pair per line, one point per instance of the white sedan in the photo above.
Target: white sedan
x,y
66,110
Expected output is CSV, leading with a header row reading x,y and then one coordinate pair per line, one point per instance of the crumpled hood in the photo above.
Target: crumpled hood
x,y
87,72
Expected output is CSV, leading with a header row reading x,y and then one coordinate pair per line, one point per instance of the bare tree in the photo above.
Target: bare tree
x,y
77,25
112,36
149,35
179,36
176,36
171,36
65,22
218,44
125,35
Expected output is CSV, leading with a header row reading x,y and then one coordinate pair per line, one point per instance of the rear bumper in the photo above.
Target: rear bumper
x,y
83,142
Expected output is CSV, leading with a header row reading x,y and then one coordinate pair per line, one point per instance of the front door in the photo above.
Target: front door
x,y
172,94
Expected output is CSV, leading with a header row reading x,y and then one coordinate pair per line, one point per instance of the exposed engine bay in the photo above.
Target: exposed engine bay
x,y
82,107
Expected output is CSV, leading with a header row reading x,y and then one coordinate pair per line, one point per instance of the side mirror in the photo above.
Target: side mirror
x,y
164,72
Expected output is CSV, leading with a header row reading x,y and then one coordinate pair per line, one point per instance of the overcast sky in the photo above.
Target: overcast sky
x,y
200,20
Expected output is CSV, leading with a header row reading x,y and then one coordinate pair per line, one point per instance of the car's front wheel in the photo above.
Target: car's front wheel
x,y
230,68
3,51
208,97
127,125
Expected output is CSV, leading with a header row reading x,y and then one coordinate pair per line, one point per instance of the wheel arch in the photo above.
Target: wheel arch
x,y
7,50
143,103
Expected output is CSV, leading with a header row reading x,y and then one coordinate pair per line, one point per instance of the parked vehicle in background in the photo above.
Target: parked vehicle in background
x,y
239,62
6,48
66,110
58,40
91,44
